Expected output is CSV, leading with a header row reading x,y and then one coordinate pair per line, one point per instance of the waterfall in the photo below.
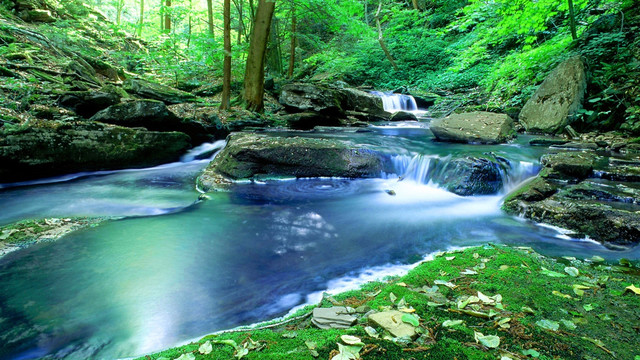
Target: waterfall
x,y
397,102
203,151
433,169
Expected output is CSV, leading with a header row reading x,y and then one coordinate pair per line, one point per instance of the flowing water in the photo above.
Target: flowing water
x,y
174,269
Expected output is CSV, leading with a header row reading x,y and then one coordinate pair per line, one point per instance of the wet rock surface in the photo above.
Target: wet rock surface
x,y
467,176
248,156
52,149
594,195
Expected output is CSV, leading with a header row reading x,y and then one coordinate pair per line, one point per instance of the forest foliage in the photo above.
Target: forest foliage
x,y
496,52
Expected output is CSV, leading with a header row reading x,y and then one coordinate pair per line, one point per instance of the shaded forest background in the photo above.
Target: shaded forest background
x,y
489,54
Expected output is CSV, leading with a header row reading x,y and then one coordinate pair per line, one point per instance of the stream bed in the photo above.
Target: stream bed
x,y
174,268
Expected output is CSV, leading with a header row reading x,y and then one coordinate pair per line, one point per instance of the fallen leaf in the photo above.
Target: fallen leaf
x,y
597,259
558,293
371,332
572,271
531,352
503,267
468,272
490,341
351,340
633,289
393,297
411,319
290,335
548,324
347,352
588,307
569,324
445,283
240,352
401,284
476,255
449,258
527,309
311,345
450,323
550,273
205,348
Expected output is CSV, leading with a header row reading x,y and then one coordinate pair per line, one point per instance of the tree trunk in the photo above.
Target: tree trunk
x,y
141,18
366,12
210,15
226,80
415,5
274,53
254,72
292,52
161,15
381,39
190,23
241,28
572,19
167,16
119,7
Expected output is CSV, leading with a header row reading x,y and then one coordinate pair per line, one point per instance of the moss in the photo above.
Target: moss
x,y
515,274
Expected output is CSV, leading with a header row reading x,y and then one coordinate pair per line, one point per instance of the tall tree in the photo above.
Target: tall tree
x,y
190,22
167,16
292,50
141,18
254,72
210,17
226,79
381,39
572,19
415,5
119,8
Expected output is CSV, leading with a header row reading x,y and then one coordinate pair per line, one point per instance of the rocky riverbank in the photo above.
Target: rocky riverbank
x,y
462,304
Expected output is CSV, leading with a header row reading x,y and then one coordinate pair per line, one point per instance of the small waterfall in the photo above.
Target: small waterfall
x,y
397,102
203,151
432,169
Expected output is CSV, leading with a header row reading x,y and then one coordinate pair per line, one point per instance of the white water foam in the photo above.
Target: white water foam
x,y
397,102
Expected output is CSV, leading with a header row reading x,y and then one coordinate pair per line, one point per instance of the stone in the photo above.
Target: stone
x,y
337,317
247,156
309,120
403,116
150,90
469,175
88,103
573,165
37,15
392,322
548,141
361,101
476,127
310,98
557,100
52,148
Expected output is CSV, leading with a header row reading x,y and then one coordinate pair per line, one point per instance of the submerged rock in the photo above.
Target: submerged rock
x,y
51,148
247,156
469,175
557,99
403,116
475,127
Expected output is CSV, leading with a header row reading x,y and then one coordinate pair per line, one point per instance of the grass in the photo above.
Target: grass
x,y
597,317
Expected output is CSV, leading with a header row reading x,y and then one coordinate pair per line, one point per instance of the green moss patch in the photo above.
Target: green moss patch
x,y
491,302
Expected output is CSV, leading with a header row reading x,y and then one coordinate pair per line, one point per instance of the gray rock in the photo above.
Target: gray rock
x,y
403,116
469,175
309,97
392,322
52,149
571,165
557,99
88,103
309,120
249,155
475,127
149,90
151,114
337,317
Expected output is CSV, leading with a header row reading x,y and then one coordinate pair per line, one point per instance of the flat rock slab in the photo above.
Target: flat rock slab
x,y
475,127
392,322
337,317
249,156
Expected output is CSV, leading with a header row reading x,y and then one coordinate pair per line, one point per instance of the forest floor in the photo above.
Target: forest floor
x,y
491,302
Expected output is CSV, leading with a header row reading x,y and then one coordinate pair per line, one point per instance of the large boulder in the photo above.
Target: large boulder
x,y
361,101
557,99
476,127
469,175
150,90
248,156
153,115
51,148
310,97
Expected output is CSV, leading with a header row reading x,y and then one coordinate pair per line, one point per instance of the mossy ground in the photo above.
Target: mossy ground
x,y
597,317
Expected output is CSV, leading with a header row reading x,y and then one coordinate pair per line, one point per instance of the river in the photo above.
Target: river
x,y
174,268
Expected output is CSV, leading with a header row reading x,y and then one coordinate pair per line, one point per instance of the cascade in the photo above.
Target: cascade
x,y
203,151
423,169
397,102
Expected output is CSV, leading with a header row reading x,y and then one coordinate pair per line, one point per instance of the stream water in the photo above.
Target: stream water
x,y
174,269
